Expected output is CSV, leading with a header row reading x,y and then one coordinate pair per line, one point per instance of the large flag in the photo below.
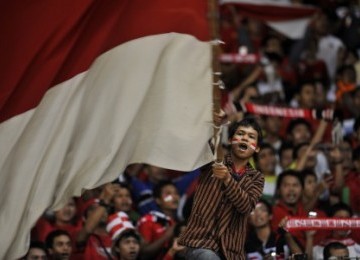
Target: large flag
x,y
90,86
287,18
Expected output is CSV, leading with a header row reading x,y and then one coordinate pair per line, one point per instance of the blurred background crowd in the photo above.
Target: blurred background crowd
x,y
311,163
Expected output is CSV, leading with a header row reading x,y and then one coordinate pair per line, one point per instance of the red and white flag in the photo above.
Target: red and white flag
x,y
289,19
88,87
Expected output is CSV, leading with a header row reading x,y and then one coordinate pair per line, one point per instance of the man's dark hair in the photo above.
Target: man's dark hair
x,y
50,238
286,173
36,244
340,206
264,146
159,187
298,121
331,246
124,235
247,122
285,146
122,185
128,233
267,205
305,82
307,172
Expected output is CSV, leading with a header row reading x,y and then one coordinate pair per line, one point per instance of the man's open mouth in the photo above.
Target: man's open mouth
x,y
243,147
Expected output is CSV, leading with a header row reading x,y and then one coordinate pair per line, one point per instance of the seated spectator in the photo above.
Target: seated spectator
x,y
289,189
261,240
126,241
157,227
59,245
305,96
142,189
37,251
265,161
272,125
285,154
299,133
313,189
93,241
65,218
123,202
335,250
339,210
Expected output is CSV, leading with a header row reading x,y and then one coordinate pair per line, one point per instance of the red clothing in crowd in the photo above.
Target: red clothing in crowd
x,y
43,227
152,226
280,210
352,181
98,247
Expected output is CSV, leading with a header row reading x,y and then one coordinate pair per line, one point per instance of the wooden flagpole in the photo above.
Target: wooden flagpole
x,y
213,17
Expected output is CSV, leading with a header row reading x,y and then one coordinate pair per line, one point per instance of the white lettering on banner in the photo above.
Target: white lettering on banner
x,y
321,223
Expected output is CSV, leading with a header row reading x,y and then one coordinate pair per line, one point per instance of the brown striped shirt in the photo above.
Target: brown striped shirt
x,y
219,214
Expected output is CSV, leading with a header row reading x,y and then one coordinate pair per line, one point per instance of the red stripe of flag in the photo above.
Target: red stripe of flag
x,y
47,42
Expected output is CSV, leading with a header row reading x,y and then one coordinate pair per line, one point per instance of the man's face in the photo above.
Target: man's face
x,y
67,213
273,125
128,248
169,198
310,184
36,254
260,216
266,161
122,199
341,233
307,97
290,190
300,134
286,158
61,248
244,142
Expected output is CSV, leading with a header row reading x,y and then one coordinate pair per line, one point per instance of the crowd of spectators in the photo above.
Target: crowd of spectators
x,y
309,168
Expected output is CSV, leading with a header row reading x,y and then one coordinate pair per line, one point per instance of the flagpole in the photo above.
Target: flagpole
x,y
213,17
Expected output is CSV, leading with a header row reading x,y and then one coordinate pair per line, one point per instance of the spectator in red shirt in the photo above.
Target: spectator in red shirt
x,y
93,241
157,227
64,218
289,189
123,201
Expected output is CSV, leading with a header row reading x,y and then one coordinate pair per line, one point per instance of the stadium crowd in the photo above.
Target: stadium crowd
x,y
311,163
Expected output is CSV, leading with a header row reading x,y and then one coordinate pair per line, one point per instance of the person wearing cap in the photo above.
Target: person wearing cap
x,y
126,241
226,195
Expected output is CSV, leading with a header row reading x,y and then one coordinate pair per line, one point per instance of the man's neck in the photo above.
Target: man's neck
x,y
239,163
263,233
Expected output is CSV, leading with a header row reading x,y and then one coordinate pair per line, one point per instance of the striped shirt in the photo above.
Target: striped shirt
x,y
219,213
